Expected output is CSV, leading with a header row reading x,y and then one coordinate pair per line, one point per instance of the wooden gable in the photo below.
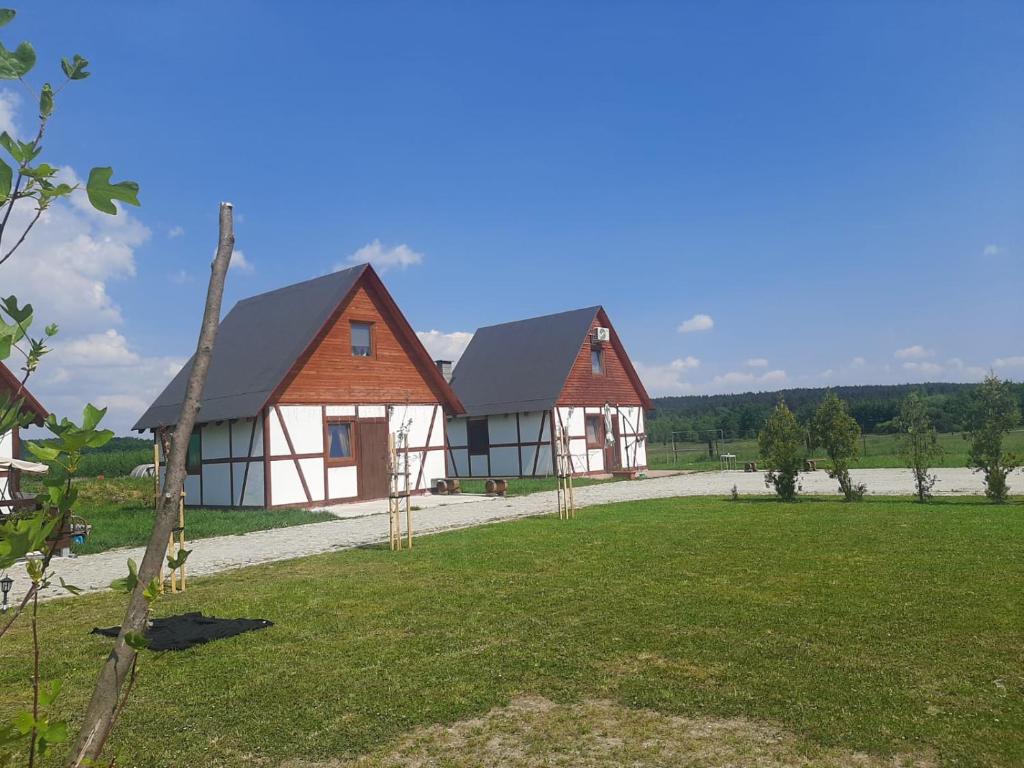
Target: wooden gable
x,y
618,385
396,371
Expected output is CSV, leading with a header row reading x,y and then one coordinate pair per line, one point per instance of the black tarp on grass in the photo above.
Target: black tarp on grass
x,y
176,633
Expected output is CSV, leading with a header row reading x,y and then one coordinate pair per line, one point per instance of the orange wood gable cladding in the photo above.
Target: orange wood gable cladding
x,y
328,372
619,385
9,383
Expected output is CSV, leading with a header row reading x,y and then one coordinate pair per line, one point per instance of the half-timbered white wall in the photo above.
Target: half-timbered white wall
x,y
519,446
516,440
6,452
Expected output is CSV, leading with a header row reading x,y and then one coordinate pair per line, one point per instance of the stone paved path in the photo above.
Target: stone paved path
x,y
95,572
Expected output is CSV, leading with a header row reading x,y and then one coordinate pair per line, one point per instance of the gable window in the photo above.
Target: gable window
x,y
595,429
340,438
362,339
478,437
194,454
597,362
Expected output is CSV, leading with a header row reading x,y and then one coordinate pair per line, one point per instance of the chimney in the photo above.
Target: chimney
x,y
445,367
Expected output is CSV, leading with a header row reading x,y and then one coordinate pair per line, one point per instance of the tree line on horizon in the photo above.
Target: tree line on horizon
x,y
875,408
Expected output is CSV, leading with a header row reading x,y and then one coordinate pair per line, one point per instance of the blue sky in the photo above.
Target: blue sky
x,y
839,187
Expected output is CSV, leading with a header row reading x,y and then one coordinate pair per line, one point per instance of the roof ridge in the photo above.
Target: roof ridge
x,y
593,309
302,283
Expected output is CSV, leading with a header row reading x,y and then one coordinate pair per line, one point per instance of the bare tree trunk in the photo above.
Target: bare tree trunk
x,y
102,710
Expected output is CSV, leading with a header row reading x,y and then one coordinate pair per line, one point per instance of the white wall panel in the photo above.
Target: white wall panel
x,y
596,460
217,484
578,450
457,431
278,445
530,426
342,482
242,433
458,462
478,466
434,469
313,471
254,496
545,462
191,490
372,411
305,427
7,445
504,462
284,482
215,440
341,410
417,419
502,429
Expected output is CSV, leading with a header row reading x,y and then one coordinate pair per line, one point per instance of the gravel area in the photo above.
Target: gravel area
x,y
95,572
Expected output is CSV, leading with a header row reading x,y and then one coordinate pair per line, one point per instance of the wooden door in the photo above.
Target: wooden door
x,y
372,458
612,457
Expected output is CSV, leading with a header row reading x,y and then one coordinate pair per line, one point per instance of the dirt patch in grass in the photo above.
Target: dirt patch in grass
x,y
533,731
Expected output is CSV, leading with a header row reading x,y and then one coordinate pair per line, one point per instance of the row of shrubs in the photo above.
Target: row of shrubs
x,y
784,442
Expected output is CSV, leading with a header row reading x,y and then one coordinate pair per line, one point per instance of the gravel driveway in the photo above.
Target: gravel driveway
x,y
95,572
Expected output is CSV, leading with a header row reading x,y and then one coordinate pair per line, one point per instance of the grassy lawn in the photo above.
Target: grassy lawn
x,y
807,632
121,513
877,451
524,486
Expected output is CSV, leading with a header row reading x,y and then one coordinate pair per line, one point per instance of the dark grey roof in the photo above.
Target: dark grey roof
x,y
520,366
257,344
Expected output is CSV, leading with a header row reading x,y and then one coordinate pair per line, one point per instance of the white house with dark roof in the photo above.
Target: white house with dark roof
x,y
305,386
522,382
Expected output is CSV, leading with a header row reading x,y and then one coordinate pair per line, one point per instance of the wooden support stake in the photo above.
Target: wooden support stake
x,y
181,535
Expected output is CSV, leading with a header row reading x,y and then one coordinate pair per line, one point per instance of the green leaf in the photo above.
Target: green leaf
x,y
129,582
46,101
6,15
75,69
43,452
24,722
152,591
6,180
174,563
136,640
102,192
40,172
91,416
48,692
13,147
17,63
70,588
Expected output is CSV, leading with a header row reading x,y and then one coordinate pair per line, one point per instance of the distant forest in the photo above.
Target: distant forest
x,y
873,406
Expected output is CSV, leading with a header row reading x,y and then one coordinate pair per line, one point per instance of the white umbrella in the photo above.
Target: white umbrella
x,y
25,466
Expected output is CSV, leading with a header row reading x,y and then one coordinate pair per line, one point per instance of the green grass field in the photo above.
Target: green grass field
x,y
810,631
877,451
120,511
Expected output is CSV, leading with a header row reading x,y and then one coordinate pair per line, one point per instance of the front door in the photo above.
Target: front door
x,y
372,458
612,458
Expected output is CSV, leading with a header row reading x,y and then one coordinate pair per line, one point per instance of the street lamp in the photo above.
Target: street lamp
x,y
5,586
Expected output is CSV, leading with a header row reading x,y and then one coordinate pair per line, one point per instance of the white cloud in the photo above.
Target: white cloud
x,y
181,277
108,348
916,352
667,379
445,346
683,363
827,374
240,263
383,258
9,101
923,367
757,362
1013,361
858,362
176,231
698,322
735,378
992,250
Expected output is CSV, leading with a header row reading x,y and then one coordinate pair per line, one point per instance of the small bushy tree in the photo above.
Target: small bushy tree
x,y
994,412
919,443
835,430
782,446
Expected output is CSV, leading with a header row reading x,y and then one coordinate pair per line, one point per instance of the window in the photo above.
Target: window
x,y
597,362
477,436
595,430
194,454
362,339
340,436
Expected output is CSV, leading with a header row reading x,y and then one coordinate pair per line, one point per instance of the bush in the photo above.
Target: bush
x,y
919,444
994,412
782,446
835,430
